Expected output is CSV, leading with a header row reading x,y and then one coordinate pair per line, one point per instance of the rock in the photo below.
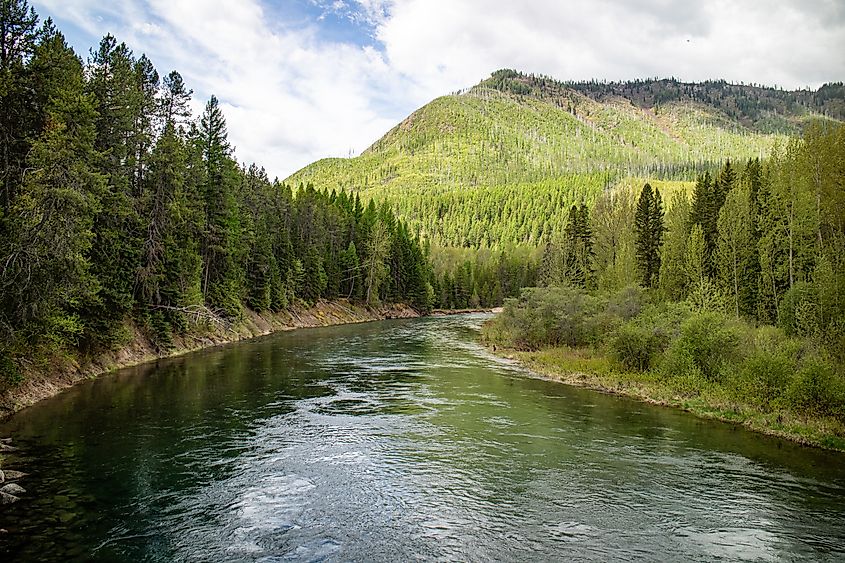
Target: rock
x,y
12,489
12,475
2,476
6,498
7,448
6,440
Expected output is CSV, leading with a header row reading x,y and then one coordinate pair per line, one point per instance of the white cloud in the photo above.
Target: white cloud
x,y
291,95
446,44
289,98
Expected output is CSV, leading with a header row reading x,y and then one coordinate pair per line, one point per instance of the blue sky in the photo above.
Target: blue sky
x,y
306,79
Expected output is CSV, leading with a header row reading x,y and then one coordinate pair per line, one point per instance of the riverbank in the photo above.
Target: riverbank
x,y
584,367
63,372
449,312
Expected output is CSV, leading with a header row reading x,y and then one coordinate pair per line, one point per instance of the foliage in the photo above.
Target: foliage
x,y
649,228
818,389
705,345
500,165
571,259
117,206
636,346
546,317
695,354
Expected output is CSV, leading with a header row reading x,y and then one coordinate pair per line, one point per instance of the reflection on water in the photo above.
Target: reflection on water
x,y
394,441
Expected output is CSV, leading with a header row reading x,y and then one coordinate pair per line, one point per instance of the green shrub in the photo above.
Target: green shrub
x,y
818,389
707,341
635,346
10,373
550,316
627,303
161,331
762,377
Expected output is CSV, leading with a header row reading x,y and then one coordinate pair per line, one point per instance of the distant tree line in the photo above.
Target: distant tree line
x,y
750,104
466,278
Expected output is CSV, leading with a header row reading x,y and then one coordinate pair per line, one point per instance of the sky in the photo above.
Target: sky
x,y
300,80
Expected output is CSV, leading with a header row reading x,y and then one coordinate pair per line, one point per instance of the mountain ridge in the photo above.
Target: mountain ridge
x,y
536,145
747,103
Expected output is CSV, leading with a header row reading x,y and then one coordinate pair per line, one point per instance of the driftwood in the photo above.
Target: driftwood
x,y
197,313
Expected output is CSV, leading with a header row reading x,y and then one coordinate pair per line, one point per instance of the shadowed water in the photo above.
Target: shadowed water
x,y
397,441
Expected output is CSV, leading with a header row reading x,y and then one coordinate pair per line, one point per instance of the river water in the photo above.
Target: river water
x,y
398,441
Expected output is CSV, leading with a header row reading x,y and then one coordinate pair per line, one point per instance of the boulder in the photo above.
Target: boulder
x,y
12,489
12,475
7,448
2,476
6,498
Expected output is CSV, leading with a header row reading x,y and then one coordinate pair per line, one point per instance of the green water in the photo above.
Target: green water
x,y
398,441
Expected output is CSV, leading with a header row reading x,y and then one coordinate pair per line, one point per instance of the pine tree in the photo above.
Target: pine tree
x,y
219,283
749,288
175,100
44,272
18,38
587,255
649,228
118,228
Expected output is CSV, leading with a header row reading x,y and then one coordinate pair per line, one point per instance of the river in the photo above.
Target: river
x,y
396,441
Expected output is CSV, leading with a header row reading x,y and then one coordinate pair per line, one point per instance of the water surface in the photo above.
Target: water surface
x,y
397,441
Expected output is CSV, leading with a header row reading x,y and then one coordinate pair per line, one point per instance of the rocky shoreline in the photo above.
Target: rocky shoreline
x,y
10,491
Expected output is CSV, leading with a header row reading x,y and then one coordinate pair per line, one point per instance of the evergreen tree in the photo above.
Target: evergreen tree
x,y
219,283
129,211
175,101
749,287
118,228
649,228
571,260
18,38
44,271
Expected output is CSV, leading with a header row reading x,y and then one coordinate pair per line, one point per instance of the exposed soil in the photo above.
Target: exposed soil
x,y
65,372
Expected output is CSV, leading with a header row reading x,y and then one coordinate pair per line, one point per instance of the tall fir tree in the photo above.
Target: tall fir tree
x,y
19,36
219,280
649,228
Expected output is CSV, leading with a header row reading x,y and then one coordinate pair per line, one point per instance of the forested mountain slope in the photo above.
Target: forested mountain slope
x,y
499,163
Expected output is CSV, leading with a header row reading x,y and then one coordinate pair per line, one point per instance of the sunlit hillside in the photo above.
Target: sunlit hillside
x,y
499,163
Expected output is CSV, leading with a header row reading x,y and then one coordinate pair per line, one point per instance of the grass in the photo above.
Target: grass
x,y
586,367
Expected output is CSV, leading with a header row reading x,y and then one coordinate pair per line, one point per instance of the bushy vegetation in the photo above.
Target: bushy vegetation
x,y
689,352
745,281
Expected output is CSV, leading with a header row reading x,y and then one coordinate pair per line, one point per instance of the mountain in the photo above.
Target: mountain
x,y
499,163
